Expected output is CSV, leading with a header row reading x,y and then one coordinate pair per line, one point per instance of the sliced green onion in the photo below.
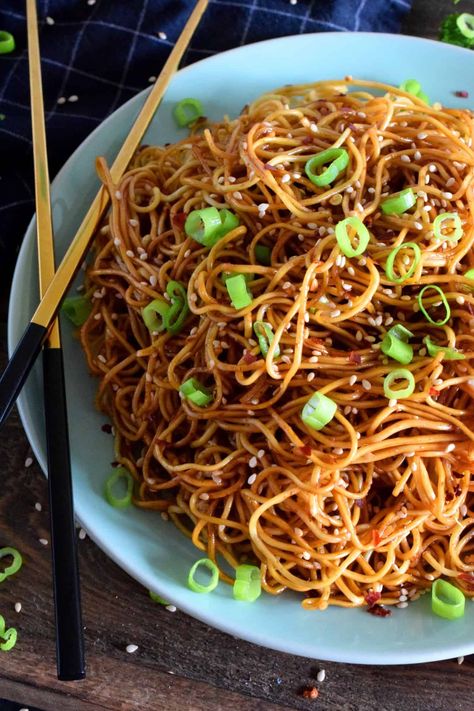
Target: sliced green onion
x,y
154,315
8,636
469,274
389,271
449,353
119,502
265,336
198,587
318,411
447,600
247,276
424,97
237,289
336,160
7,42
248,583
456,233
444,300
77,309
465,23
398,393
178,311
209,225
187,111
157,598
14,566
263,254
398,203
344,241
411,86
197,393
395,344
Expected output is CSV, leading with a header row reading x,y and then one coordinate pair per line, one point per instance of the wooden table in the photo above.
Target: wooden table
x,y
181,664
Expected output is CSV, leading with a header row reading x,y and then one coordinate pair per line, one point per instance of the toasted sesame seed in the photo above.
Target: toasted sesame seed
x,y
366,384
460,660
392,402
131,648
463,510
17,606
204,496
359,336
260,453
251,479
433,168
402,605
321,675
101,358
447,195
43,541
82,534
253,462
28,462
286,178
38,506
338,450
418,225
451,447
405,158
238,195
460,299
422,136
97,317
306,555
73,98
417,155
49,21
353,379
335,313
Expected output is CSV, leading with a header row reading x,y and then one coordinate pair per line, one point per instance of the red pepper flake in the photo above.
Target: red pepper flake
x,y
307,140
355,358
467,578
433,392
249,358
305,450
178,219
379,611
107,428
376,537
311,693
372,597
462,94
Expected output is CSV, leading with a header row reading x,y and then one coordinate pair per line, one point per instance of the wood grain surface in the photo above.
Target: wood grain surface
x,y
181,664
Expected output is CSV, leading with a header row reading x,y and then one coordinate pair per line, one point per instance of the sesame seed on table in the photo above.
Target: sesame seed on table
x,y
142,655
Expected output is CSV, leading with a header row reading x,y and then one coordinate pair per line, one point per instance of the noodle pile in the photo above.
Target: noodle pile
x,y
381,499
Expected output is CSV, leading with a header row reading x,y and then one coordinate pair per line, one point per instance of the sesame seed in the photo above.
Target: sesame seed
x,y
359,336
392,402
251,479
49,21
403,598
101,358
463,510
73,98
366,384
238,195
351,271
131,648
152,79
97,317
321,675
253,462
347,287
312,225
422,136
286,178
460,300
301,238
402,605
28,462
451,447
335,313
133,222
17,606
353,380
460,660
450,182
347,410
260,453
118,194
61,100
38,506
232,179
432,168
338,450
306,555
204,496
310,377
349,189
82,534
153,280
362,262
417,155
162,35
405,158
43,541
263,207
313,127
447,195
418,225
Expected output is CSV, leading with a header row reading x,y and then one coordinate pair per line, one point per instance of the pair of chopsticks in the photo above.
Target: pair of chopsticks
x,y
44,330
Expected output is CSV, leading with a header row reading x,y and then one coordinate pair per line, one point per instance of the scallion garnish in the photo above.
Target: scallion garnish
x,y
14,566
119,502
395,344
248,583
455,233
318,411
208,225
465,22
187,111
412,86
154,315
8,636
398,393
263,254
344,241
447,600
197,393
178,311
398,203
389,271
212,584
157,598
238,292
77,309
336,160
265,336
449,353
444,301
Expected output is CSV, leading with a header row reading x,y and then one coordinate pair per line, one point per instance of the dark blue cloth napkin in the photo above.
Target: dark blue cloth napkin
x,y
99,53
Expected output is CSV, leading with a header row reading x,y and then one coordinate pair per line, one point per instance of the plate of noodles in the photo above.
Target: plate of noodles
x,y
277,315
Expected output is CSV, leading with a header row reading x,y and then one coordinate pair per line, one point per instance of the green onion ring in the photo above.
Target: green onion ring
x,y
447,600
444,302
125,500
401,393
198,587
265,336
248,583
449,353
338,159
187,111
77,309
14,566
438,225
398,203
395,344
196,392
318,411
465,23
389,271
344,240
238,292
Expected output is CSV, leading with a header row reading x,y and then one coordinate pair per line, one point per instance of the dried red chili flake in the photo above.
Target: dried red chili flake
x,y
249,358
355,358
379,611
311,693
305,450
107,428
307,140
433,392
372,597
376,537
467,578
462,94
178,220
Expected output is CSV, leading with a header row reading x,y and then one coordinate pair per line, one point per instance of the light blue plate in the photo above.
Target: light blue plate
x,y
151,550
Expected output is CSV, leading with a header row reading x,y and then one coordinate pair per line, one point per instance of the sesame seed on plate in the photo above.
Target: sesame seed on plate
x,y
131,648
402,605
61,100
49,21
152,79
43,541
162,35
73,98
28,462
321,675
17,606
82,534
38,506
460,660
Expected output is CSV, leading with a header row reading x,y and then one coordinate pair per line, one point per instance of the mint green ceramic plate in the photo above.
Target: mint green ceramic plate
x,y
152,551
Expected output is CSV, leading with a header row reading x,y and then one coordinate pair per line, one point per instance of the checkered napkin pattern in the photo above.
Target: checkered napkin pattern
x,y
98,53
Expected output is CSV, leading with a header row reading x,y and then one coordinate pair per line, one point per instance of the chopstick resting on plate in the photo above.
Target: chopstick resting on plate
x,y
35,334
69,631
